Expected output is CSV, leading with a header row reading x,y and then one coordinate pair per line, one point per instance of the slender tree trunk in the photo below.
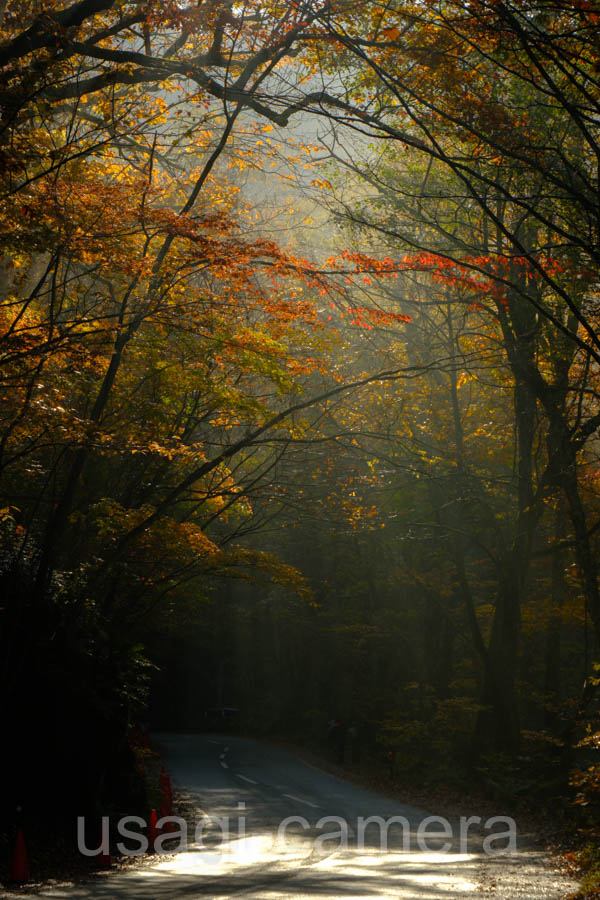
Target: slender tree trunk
x,y
552,655
502,730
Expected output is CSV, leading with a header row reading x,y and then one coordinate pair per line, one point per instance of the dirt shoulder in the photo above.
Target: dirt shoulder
x,y
545,843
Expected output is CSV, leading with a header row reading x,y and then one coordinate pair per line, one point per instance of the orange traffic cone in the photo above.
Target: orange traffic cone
x,y
152,831
103,861
19,871
169,826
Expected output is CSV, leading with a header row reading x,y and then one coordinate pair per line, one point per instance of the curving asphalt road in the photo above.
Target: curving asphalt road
x,y
271,826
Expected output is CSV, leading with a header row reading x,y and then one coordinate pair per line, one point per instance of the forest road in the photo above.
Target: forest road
x,y
271,826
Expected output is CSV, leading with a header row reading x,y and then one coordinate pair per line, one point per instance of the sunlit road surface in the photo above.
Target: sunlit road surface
x,y
257,787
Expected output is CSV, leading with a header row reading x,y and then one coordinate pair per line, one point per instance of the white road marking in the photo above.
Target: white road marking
x,y
300,800
245,778
213,742
222,756
224,764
